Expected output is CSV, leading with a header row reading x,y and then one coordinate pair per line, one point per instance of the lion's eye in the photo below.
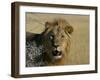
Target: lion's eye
x,y
51,37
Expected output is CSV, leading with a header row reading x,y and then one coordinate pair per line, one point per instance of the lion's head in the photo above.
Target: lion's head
x,y
58,32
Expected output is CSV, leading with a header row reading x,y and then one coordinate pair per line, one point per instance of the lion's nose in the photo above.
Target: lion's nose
x,y
55,45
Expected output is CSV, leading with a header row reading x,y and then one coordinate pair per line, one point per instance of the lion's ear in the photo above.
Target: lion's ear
x,y
69,29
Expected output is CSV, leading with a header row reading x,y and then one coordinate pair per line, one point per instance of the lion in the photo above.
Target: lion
x,y
55,41
59,33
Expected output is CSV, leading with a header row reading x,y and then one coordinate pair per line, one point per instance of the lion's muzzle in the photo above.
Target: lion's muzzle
x,y
57,53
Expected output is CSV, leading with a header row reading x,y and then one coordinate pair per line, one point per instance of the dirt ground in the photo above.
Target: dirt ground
x,y
79,52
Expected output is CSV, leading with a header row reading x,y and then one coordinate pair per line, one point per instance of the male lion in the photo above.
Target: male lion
x,y
52,46
59,32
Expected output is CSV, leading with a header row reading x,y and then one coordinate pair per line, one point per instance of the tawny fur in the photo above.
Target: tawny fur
x,y
62,31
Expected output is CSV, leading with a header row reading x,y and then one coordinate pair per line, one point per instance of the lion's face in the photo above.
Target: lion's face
x,y
59,34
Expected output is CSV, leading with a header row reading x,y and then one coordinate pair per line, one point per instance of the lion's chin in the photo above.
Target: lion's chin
x,y
58,57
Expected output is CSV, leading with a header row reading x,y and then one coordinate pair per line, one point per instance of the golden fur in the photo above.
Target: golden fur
x,y
61,31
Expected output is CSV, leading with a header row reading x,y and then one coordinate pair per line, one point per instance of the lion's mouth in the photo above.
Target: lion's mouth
x,y
57,54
